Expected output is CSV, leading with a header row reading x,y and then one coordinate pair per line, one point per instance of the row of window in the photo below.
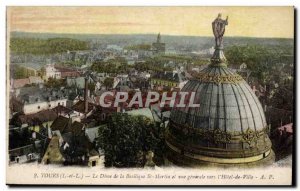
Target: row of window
x,y
39,107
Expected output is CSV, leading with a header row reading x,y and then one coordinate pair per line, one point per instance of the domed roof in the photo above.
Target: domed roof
x,y
226,103
228,127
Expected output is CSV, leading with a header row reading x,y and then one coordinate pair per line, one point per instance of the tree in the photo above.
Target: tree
x,y
259,59
38,46
18,72
55,83
108,82
126,140
91,86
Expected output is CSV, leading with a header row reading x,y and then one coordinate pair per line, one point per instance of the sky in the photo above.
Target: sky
x,y
268,22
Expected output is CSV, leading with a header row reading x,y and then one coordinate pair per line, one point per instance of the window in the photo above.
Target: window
x,y
49,105
58,103
39,107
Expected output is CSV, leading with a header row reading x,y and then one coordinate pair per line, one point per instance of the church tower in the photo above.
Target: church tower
x,y
158,47
158,38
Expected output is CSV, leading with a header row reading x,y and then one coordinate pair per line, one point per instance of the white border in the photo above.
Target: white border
x,y
104,3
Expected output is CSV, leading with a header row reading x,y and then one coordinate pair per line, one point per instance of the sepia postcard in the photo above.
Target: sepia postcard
x,y
150,96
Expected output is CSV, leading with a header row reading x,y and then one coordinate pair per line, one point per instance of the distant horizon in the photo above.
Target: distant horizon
x,y
257,22
127,34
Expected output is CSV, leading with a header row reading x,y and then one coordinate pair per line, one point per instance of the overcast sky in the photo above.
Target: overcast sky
x,y
190,21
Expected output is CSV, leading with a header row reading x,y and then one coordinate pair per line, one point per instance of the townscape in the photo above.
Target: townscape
x,y
55,85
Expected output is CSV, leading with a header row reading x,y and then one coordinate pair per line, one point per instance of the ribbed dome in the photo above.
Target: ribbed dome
x,y
229,126
229,107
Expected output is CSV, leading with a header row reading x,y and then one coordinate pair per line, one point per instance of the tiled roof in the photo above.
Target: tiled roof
x,y
287,127
18,83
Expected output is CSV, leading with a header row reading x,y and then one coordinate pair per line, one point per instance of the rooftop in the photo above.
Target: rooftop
x,y
76,128
60,123
79,107
36,118
141,112
34,94
170,76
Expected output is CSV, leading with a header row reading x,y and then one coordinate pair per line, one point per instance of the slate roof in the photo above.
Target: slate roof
x,y
35,94
169,76
35,66
93,152
66,72
60,123
42,116
224,106
35,79
79,106
78,82
146,112
76,129
62,109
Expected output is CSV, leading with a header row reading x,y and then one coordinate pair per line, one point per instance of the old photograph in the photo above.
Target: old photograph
x,y
150,95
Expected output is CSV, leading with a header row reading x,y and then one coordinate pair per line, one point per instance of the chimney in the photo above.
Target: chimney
x,y
86,104
49,132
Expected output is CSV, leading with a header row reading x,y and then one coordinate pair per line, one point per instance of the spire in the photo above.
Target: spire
x,y
158,38
218,26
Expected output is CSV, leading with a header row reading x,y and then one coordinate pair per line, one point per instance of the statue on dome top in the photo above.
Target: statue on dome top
x,y
218,26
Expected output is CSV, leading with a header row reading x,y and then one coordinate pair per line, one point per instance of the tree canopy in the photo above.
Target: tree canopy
x,y
55,83
126,139
45,46
259,59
